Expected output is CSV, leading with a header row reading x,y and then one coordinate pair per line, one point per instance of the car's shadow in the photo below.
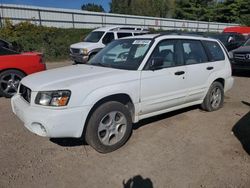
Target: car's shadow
x,y
72,142
242,130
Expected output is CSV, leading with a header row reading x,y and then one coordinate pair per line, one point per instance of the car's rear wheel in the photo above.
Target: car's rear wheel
x,y
109,127
9,81
214,98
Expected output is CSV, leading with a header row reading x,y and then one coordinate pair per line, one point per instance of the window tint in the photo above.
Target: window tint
x,y
166,51
108,38
121,35
194,52
215,51
137,34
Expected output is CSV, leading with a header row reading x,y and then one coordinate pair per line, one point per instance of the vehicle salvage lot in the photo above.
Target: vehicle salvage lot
x,y
187,148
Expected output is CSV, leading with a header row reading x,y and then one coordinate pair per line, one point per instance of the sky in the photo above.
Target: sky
x,y
70,4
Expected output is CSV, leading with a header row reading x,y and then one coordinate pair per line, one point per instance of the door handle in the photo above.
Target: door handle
x,y
179,73
210,68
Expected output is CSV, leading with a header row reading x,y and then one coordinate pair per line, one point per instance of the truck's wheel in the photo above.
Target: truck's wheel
x,y
9,81
109,127
214,98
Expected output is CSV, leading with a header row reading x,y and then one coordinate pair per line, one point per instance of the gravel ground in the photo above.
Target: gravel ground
x,y
186,148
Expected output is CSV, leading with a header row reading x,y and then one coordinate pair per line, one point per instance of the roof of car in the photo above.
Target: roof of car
x,y
176,36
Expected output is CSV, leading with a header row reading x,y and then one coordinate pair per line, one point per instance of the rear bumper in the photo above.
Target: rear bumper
x,y
49,122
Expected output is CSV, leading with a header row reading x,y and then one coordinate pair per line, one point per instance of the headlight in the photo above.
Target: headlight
x,y
53,98
84,51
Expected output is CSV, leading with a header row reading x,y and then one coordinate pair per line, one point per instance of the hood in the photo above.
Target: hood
x,y
242,49
81,45
76,76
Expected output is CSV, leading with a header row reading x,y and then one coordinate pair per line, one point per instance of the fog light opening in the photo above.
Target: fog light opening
x,y
39,129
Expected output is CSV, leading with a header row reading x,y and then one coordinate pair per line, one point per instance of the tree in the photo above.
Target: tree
x,y
194,9
92,7
155,8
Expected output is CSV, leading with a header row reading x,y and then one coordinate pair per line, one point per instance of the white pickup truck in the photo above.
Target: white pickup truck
x,y
129,80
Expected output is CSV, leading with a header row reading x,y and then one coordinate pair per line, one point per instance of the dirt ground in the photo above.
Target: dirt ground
x,y
186,148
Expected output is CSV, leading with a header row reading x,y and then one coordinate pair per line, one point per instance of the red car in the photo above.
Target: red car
x,y
14,66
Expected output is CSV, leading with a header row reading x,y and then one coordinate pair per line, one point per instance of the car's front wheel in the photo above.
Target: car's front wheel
x,y
109,127
9,81
214,98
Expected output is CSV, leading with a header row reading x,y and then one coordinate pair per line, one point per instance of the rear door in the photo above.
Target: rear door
x,y
198,69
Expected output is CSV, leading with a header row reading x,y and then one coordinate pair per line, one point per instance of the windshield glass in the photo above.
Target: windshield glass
x,y
94,36
122,54
247,43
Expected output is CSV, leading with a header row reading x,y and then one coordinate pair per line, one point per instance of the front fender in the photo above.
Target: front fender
x,y
131,89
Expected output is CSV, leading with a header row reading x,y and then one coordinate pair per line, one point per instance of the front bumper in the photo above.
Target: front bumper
x,y
49,122
78,58
236,66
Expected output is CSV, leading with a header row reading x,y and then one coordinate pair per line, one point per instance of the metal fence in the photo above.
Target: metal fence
x,y
68,18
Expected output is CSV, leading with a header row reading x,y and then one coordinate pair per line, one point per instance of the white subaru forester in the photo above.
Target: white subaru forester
x,y
129,80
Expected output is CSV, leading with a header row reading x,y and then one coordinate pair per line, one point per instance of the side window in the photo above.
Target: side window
x,y
121,35
165,51
193,52
215,51
6,51
108,38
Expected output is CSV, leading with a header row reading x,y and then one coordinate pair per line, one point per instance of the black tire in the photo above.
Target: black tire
x,y
9,81
94,137
209,104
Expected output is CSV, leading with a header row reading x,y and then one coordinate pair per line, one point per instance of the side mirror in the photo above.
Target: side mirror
x,y
156,63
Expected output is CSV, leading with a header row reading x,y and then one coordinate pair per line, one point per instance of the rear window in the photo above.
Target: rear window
x,y
121,35
215,51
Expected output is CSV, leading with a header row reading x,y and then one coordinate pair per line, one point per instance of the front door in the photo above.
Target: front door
x,y
164,87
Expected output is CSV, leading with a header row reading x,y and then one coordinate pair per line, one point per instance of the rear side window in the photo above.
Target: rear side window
x,y
194,52
121,35
215,51
108,38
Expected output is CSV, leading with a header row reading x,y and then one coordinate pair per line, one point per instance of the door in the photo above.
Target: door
x,y
164,87
198,69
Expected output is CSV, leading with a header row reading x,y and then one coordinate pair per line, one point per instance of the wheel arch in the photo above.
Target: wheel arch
x,y
120,97
6,69
220,80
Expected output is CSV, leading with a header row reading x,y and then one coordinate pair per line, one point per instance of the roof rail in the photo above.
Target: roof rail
x,y
182,33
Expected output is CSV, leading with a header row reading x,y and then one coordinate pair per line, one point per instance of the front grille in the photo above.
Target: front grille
x,y
25,92
240,56
75,51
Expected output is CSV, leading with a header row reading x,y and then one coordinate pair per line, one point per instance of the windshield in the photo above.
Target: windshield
x,y
247,43
122,54
94,36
